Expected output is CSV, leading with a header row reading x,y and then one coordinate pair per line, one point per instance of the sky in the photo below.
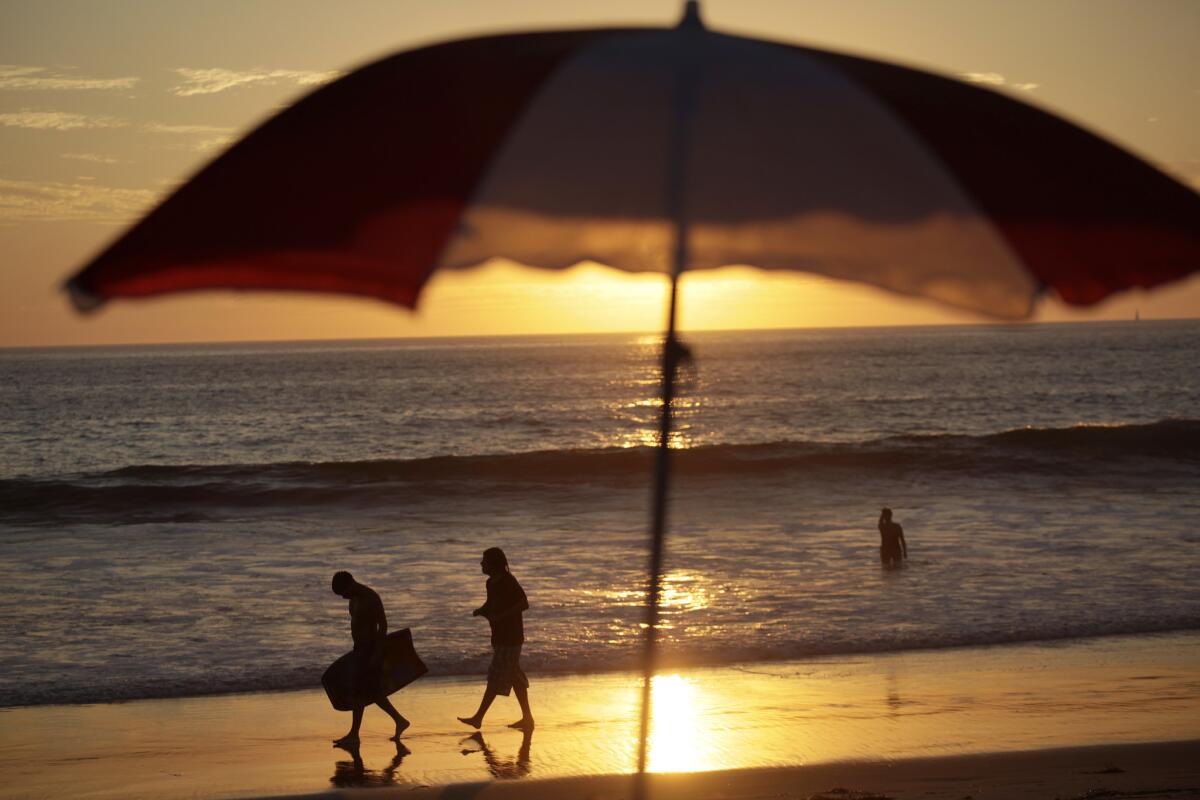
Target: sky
x,y
106,107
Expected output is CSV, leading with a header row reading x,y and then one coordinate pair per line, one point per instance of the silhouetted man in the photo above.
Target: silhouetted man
x,y
368,628
505,603
892,547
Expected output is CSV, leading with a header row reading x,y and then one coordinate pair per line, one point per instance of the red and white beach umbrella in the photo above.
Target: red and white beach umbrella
x,y
604,145
662,150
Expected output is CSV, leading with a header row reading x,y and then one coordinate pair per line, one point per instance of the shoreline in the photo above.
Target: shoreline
x,y
681,663
668,664
769,715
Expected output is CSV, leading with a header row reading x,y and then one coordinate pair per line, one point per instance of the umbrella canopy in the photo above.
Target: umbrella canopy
x,y
555,148
662,150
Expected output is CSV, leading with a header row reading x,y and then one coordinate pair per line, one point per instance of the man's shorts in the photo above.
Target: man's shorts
x,y
505,670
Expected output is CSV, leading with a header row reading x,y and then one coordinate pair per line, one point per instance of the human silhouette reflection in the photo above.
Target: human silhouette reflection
x,y
502,768
350,774
894,702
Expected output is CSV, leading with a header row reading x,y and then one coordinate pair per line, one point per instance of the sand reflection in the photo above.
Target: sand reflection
x,y
678,741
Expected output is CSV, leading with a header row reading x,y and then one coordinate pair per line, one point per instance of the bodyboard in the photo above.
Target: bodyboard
x,y
346,686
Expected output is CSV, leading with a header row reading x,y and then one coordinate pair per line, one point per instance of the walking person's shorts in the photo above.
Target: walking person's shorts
x,y
505,670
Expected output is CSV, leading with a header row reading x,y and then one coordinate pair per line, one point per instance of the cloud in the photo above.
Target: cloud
x,y
216,79
213,136
93,158
51,201
161,127
13,76
57,120
213,143
202,145
996,79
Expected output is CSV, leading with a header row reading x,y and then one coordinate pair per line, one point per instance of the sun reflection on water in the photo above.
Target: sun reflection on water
x,y
681,591
648,437
638,404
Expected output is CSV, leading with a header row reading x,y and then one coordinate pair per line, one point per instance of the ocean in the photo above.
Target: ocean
x,y
170,516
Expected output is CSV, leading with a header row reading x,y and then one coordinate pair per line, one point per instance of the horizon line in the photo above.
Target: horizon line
x,y
453,337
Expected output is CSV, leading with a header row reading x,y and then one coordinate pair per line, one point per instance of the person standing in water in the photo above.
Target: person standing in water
x,y
892,547
505,604
368,629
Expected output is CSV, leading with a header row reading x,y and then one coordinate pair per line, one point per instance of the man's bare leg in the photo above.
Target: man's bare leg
x,y
401,723
525,723
351,738
475,721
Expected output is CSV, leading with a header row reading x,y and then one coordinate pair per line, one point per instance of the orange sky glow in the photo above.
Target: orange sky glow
x,y
106,107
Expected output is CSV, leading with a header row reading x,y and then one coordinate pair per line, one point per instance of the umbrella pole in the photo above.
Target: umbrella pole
x,y
690,28
670,360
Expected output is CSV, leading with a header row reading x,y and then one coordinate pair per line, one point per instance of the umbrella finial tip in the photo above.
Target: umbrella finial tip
x,y
691,15
83,300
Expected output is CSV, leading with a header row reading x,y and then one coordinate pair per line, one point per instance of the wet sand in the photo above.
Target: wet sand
x,y
1159,771
901,724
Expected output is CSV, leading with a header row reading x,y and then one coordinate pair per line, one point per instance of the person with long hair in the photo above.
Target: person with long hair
x,y
506,602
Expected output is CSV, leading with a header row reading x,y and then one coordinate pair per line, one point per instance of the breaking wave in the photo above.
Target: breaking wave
x,y
188,492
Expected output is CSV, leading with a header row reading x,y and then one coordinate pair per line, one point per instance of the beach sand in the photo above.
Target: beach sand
x,y
1057,720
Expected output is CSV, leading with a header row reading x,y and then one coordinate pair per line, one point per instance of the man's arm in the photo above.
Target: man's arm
x,y
484,609
508,612
903,544
515,602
